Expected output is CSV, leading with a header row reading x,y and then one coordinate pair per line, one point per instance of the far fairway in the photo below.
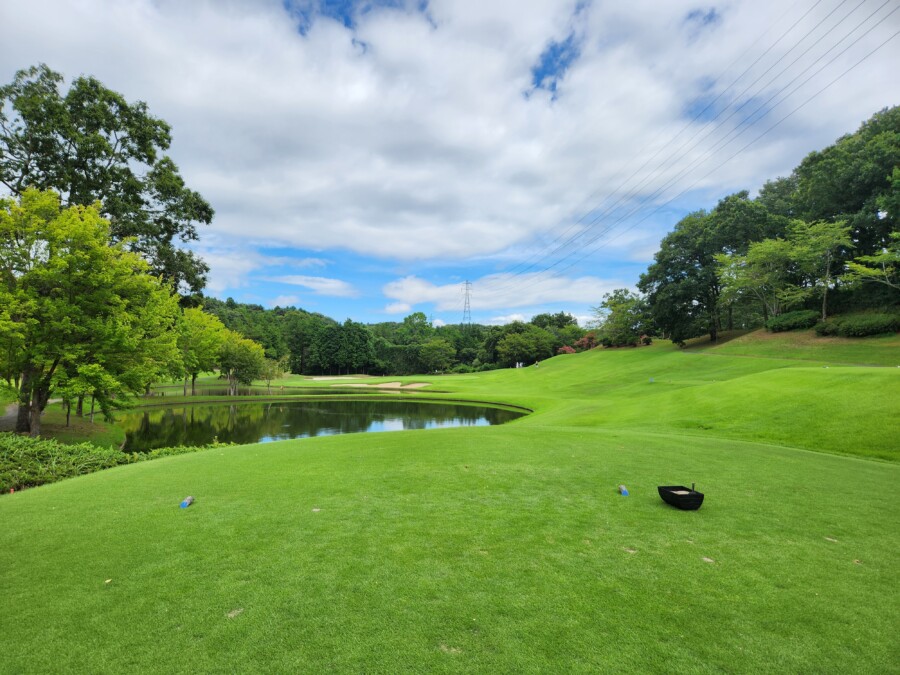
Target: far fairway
x,y
495,549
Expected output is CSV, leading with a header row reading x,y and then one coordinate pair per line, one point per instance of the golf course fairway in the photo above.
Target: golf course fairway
x,y
498,549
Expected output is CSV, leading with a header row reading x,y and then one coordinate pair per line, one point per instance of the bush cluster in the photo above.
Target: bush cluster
x,y
860,325
29,462
804,318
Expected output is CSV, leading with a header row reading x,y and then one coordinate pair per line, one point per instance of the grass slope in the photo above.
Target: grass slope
x,y
492,549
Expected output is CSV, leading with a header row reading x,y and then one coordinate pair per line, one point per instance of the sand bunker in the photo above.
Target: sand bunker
x,y
386,385
339,377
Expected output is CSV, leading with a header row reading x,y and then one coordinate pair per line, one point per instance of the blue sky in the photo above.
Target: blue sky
x,y
366,158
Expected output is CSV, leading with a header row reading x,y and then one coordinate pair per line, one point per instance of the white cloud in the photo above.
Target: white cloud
x,y
307,262
320,285
508,318
229,269
397,308
498,291
285,301
410,138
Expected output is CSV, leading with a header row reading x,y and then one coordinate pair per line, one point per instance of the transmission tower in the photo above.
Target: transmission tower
x,y
467,308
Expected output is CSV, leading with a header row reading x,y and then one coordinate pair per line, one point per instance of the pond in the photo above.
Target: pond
x,y
256,422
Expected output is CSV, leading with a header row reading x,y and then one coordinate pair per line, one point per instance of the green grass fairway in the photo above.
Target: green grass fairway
x,y
501,549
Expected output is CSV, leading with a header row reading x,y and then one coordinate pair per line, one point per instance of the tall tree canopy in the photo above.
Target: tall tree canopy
x,y
70,299
850,181
89,144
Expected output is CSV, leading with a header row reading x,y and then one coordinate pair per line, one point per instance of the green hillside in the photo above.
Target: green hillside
x,y
501,549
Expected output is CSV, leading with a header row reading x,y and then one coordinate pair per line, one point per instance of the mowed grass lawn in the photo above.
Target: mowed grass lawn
x,y
502,549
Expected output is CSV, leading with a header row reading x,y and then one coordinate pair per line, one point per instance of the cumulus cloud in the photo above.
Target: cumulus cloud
x,y
506,318
320,285
500,291
285,301
230,268
398,308
451,130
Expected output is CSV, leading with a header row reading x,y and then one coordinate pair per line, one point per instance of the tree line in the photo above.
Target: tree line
x,y
824,238
314,344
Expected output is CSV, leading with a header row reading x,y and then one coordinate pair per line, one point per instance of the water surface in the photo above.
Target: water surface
x,y
255,422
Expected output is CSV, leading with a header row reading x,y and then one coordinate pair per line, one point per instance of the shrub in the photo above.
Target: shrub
x,y
828,327
862,325
804,318
565,349
589,341
29,462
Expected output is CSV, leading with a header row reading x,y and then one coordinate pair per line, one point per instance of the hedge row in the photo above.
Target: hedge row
x,y
804,318
29,462
859,325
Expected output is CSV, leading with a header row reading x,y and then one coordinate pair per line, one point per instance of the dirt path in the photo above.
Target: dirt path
x,y
8,419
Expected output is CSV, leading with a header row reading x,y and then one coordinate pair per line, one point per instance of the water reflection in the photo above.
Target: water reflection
x,y
273,421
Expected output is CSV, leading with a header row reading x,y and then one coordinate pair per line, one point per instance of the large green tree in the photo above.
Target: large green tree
x,y
90,144
850,181
623,317
816,246
241,360
436,354
200,339
765,274
683,285
71,298
523,342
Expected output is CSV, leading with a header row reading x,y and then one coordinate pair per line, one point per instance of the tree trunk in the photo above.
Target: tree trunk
x,y
68,412
35,421
193,384
79,408
825,301
185,385
39,398
92,409
23,417
730,317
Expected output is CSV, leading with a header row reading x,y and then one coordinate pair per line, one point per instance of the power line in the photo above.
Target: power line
x,y
733,155
682,149
687,125
724,141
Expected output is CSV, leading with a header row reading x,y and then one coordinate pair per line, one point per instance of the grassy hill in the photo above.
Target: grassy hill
x,y
498,549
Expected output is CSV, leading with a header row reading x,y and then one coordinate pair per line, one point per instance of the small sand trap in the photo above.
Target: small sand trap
x,y
339,377
708,560
386,385
233,613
